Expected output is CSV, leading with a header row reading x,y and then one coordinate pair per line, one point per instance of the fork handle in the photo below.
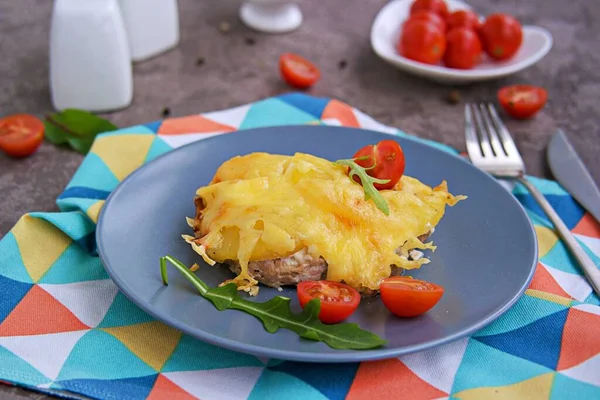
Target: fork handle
x,y
589,267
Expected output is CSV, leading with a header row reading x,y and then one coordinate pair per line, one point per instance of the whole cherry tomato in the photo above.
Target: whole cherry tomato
x,y
522,101
466,18
437,6
338,300
463,48
425,15
408,297
501,36
422,41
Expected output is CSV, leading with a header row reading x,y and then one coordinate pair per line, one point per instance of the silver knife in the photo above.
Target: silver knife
x,y
571,173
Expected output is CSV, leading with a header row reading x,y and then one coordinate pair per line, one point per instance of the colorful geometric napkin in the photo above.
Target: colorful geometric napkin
x,y
65,328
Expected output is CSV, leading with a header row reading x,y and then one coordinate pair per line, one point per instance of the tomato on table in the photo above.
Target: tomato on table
x,y
297,71
385,160
436,6
21,134
338,300
407,297
522,101
501,36
463,48
426,15
422,41
464,18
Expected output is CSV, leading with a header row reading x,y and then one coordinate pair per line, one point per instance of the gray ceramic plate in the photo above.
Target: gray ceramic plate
x,y
485,259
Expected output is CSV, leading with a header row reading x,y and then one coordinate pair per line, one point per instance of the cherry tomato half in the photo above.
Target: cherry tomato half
x,y
422,41
463,48
436,6
338,300
425,15
466,18
501,36
21,134
408,297
522,101
385,160
298,71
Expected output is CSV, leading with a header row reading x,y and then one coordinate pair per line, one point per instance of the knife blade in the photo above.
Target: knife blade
x,y
571,173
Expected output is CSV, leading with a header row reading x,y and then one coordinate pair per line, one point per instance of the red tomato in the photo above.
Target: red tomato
x,y
385,160
422,41
21,134
298,71
338,301
463,48
425,15
437,6
466,18
522,101
501,36
408,297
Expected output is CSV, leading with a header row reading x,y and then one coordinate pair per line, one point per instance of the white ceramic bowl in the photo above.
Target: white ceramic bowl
x,y
386,31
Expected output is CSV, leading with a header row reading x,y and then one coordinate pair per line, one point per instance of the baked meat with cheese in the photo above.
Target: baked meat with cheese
x,y
279,220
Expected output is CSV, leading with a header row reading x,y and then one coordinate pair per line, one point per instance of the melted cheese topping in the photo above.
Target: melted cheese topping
x,y
264,206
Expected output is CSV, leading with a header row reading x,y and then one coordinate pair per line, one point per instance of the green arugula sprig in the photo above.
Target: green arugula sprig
x,y
367,182
276,313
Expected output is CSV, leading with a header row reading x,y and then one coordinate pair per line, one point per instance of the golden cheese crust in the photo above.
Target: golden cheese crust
x,y
265,206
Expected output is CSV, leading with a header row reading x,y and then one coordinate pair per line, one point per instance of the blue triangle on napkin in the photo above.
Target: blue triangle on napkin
x,y
474,369
564,387
153,126
12,293
538,342
128,388
319,376
566,207
26,373
309,104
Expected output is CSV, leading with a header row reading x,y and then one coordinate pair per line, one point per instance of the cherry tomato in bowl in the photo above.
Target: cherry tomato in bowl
x,y
522,101
436,6
464,18
426,15
21,134
385,160
404,296
501,36
422,41
463,48
338,300
297,71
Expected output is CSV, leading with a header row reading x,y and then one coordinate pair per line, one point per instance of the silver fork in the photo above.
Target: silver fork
x,y
492,149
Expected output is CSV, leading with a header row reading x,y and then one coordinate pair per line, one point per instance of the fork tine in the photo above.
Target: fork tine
x,y
484,142
471,139
492,132
507,141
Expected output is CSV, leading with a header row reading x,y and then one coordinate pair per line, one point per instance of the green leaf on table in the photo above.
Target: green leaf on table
x,y
76,128
276,314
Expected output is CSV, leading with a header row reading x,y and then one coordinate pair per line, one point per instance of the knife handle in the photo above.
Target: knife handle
x,y
590,269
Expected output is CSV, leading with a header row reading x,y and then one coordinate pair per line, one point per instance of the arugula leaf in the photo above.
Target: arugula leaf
x,y
367,182
76,128
276,313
